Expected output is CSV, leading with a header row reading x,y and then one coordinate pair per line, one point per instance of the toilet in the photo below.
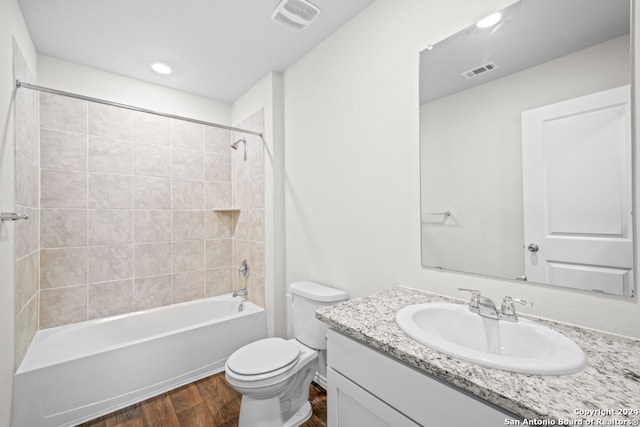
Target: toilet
x,y
273,375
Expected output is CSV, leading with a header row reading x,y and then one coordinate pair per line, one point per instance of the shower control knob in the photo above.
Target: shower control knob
x,y
533,247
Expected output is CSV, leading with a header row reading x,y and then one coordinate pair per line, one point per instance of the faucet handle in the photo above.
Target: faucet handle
x,y
475,295
508,309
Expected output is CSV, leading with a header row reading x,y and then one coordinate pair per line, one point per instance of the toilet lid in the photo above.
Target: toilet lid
x,y
263,356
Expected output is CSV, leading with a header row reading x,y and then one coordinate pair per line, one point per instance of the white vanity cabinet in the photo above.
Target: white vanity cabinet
x,y
366,388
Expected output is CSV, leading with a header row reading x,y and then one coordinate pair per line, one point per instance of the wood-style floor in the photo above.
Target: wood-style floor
x,y
210,402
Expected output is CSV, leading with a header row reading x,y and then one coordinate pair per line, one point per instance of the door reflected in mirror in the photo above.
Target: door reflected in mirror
x,y
526,147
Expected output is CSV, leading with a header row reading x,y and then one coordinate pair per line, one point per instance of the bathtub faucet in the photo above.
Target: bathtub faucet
x,y
240,293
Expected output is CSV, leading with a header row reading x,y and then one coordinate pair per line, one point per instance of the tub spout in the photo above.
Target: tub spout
x,y
240,293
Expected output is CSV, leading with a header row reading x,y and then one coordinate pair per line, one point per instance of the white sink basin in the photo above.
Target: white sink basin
x,y
522,346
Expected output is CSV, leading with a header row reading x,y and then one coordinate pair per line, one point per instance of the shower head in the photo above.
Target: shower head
x,y
235,144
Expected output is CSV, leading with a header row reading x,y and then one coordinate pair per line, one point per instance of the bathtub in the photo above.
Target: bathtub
x,y
78,372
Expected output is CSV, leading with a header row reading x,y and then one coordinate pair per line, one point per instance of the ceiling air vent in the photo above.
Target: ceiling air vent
x,y
296,14
476,71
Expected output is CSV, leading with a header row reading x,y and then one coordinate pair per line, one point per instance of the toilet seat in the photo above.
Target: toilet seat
x,y
263,359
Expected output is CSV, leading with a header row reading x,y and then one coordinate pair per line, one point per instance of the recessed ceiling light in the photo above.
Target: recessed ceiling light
x,y
489,21
161,68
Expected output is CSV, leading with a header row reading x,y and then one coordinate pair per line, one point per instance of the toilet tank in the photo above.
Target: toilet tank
x,y
307,297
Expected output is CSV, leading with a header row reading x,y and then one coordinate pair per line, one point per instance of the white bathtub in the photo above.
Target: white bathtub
x,y
78,372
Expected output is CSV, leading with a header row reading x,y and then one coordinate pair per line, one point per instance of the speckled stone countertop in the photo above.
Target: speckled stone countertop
x,y
609,384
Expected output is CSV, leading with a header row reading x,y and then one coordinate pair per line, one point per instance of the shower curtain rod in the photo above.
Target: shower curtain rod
x,y
20,84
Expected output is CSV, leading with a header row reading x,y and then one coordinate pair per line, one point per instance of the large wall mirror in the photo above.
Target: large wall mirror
x,y
526,146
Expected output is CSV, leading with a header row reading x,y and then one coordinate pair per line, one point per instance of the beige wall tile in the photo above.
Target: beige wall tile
x,y
243,227
187,225
109,155
149,292
151,160
217,140
152,259
109,263
217,167
110,122
255,285
219,281
63,189
63,306
250,225
255,156
110,298
187,135
26,124
27,182
187,256
27,233
26,280
250,193
63,113
187,164
219,224
252,251
63,228
188,286
219,253
63,267
186,194
145,222
110,227
108,191
63,150
151,128
241,170
217,195
151,193
152,226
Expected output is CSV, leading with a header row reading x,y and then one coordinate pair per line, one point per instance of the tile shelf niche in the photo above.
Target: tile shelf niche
x,y
231,215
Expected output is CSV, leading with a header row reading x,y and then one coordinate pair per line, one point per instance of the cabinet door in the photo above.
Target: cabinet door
x,y
351,406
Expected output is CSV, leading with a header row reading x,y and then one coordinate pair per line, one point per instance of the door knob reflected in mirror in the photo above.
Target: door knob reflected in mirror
x,y
533,247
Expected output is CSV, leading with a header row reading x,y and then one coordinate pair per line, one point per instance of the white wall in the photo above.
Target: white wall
x,y
70,77
353,172
11,26
268,94
475,170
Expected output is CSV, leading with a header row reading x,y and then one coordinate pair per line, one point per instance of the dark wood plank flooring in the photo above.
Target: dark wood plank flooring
x,y
210,402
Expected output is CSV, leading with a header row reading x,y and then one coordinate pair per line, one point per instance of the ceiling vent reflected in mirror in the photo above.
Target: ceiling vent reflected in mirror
x,y
484,68
295,14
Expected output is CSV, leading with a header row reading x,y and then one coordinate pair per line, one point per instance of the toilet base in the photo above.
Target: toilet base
x,y
266,413
300,416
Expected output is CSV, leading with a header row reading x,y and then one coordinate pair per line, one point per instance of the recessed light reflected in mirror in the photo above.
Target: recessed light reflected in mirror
x,y
161,68
489,21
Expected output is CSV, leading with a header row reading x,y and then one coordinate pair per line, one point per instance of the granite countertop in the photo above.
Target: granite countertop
x,y
609,383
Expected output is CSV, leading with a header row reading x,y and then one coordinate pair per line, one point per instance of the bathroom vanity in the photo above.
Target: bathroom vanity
x,y
371,389
379,376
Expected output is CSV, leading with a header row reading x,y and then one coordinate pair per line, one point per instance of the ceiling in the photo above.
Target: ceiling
x,y
531,32
217,48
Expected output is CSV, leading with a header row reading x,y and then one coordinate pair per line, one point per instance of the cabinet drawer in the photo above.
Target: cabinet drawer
x,y
424,399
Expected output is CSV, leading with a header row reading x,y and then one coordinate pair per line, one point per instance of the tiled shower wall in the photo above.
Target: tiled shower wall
x,y
127,220
248,195
27,158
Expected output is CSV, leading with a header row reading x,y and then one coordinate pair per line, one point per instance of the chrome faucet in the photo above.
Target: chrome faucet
x,y
508,310
485,307
240,293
